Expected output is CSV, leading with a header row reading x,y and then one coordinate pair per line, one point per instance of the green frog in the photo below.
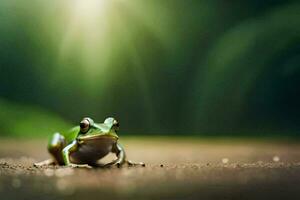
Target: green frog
x,y
86,144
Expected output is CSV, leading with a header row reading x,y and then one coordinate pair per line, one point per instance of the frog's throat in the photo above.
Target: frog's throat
x,y
96,137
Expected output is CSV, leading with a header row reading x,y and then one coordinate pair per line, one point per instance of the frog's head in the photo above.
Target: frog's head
x,y
89,130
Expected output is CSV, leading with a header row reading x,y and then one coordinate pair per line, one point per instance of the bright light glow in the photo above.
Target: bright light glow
x,y
106,39
97,32
88,9
87,32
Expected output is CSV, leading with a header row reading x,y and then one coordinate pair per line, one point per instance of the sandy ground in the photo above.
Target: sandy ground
x,y
175,169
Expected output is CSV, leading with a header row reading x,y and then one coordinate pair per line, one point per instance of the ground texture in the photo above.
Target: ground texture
x,y
175,169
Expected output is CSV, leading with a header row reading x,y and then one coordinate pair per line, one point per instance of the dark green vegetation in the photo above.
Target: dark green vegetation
x,y
25,121
171,67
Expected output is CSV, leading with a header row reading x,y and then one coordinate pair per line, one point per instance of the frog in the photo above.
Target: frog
x,y
84,145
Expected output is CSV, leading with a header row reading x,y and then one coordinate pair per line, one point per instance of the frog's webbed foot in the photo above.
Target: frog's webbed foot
x,y
118,163
114,163
130,163
80,166
44,163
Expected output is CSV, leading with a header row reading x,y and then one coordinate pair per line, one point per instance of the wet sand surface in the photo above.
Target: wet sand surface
x,y
175,169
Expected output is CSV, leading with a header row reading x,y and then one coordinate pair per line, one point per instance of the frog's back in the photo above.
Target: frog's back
x,y
71,134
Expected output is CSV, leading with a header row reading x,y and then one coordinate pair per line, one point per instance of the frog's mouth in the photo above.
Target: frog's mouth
x,y
96,137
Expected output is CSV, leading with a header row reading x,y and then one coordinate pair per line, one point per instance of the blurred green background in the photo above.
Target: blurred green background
x,y
193,67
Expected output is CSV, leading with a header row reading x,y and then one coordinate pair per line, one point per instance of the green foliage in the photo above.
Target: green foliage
x,y
28,121
245,84
168,66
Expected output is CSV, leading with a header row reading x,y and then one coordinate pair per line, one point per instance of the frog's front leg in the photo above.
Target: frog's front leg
x,y
121,157
66,156
120,153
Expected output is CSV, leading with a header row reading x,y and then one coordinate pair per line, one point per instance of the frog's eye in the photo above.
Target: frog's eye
x,y
84,125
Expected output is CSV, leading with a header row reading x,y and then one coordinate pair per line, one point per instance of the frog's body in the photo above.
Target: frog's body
x,y
90,151
85,145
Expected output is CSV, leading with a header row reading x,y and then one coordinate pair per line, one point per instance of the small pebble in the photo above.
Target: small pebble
x,y
276,159
225,160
